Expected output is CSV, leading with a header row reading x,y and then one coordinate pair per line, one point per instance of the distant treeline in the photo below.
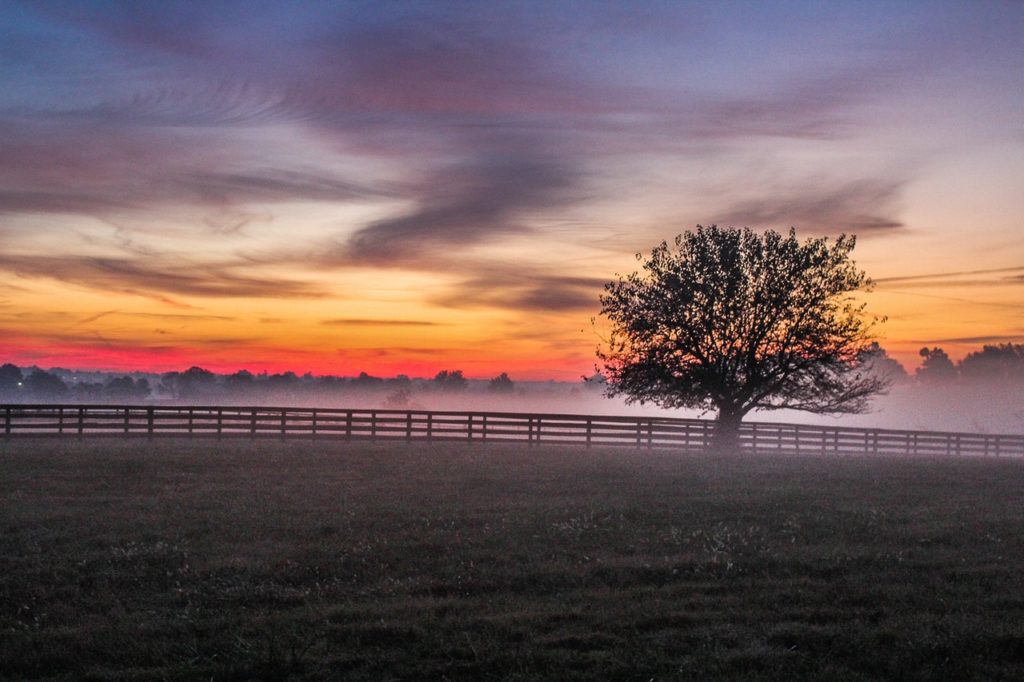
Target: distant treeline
x,y
1000,364
198,384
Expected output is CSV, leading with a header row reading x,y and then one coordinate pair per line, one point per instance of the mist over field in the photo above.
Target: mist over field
x,y
949,399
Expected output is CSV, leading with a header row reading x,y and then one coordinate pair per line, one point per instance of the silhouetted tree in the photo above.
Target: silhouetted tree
x,y
450,381
11,380
45,386
596,382
734,321
239,382
195,382
87,391
126,389
1003,363
501,384
936,368
876,361
364,381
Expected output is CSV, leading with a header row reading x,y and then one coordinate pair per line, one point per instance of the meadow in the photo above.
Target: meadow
x,y
234,560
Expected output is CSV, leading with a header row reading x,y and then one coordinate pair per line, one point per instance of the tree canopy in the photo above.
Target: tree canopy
x,y
732,320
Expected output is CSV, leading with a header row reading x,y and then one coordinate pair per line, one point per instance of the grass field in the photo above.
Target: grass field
x,y
200,560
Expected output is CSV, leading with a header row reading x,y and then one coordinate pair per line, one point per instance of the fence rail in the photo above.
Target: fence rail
x,y
686,435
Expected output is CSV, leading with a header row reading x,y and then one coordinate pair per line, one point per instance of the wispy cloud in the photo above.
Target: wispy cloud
x,y
857,207
358,322
939,279
484,198
992,338
155,276
526,291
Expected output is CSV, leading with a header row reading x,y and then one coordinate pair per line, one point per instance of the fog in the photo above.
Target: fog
x,y
938,401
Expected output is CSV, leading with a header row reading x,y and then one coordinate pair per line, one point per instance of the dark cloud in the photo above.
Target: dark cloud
x,y
525,291
859,207
153,276
484,198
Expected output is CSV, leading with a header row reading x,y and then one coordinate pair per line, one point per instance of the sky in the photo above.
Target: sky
x,y
405,187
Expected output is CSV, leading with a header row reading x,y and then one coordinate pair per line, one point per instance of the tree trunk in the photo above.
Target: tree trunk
x,y
727,432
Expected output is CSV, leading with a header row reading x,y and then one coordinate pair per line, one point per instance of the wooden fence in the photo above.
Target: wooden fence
x,y
684,435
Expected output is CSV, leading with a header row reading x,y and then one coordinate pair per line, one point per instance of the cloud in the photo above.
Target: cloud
x,y
102,170
350,322
486,197
819,107
154,276
992,338
857,207
956,279
527,291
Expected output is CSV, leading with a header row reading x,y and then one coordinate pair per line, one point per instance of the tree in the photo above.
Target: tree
x,y
875,360
45,386
450,381
936,368
732,320
1001,363
10,379
126,389
195,382
501,384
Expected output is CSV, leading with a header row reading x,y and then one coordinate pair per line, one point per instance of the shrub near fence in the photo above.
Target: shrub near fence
x,y
686,435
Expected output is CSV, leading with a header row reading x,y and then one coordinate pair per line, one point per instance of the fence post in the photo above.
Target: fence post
x,y
314,422
529,432
958,444
220,421
589,429
252,423
60,419
7,421
126,419
998,439
81,421
753,437
469,427
796,438
536,437
348,425
430,427
638,423
191,415
284,422
650,433
408,427
149,422
483,430
373,425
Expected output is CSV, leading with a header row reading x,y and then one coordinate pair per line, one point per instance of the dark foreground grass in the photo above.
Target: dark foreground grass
x,y
200,560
